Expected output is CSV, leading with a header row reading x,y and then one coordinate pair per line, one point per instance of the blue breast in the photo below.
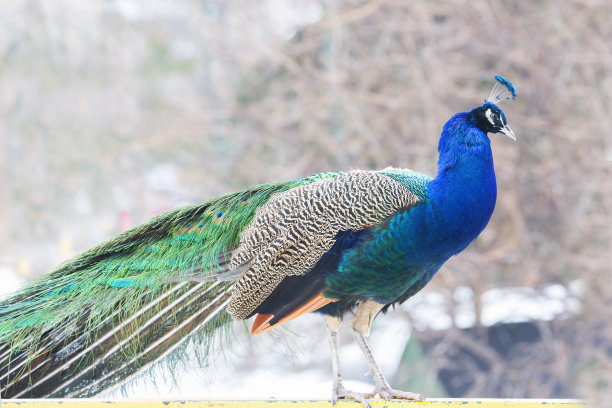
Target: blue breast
x,y
404,253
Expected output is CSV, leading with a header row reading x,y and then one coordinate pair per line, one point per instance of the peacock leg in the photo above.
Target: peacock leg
x,y
365,314
333,324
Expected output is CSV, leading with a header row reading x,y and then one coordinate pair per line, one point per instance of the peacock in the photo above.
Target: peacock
x,y
342,244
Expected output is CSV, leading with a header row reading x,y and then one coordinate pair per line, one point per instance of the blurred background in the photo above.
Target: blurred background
x,y
113,111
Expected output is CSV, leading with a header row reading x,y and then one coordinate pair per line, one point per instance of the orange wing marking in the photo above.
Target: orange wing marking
x,y
364,227
316,302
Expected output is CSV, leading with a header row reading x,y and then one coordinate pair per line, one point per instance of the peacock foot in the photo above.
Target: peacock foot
x,y
388,393
339,392
385,392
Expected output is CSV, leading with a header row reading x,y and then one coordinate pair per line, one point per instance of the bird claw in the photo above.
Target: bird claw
x,y
388,393
385,392
340,392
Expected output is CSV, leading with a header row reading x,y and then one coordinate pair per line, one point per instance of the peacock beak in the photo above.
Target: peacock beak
x,y
508,132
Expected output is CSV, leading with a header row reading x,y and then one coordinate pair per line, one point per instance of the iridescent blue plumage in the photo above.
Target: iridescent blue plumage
x,y
411,246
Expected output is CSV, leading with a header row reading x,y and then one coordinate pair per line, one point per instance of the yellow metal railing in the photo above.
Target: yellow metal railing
x,y
433,403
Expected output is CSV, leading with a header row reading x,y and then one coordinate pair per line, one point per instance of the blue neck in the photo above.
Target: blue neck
x,y
403,254
462,196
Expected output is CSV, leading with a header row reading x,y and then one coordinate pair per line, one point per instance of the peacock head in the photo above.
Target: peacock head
x,y
488,117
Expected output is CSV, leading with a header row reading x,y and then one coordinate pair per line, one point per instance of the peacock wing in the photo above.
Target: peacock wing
x,y
294,229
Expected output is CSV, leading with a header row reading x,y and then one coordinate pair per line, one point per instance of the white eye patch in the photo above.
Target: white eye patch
x,y
488,114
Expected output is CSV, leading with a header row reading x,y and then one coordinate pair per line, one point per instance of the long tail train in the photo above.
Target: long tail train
x,y
112,310
81,366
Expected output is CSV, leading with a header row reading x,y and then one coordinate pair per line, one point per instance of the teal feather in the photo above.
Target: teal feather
x,y
414,181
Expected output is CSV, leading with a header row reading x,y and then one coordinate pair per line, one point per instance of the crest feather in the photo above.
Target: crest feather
x,y
502,90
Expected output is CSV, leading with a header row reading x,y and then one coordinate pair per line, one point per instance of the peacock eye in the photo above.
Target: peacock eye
x,y
492,117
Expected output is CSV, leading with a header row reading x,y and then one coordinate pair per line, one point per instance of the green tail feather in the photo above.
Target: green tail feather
x,y
56,317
